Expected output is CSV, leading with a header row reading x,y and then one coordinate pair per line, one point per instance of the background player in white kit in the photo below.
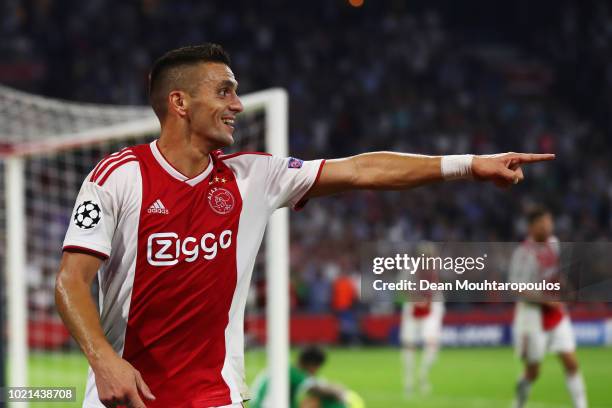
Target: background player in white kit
x,y
421,325
542,326
173,284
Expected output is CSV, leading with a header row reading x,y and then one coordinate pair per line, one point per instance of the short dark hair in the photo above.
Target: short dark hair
x,y
166,71
536,213
312,355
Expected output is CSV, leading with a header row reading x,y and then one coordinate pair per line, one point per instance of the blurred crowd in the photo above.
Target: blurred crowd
x,y
403,76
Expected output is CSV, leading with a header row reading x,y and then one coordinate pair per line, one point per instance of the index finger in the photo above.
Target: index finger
x,y
143,387
533,157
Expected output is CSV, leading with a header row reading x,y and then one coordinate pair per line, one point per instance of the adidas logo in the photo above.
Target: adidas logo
x,y
158,208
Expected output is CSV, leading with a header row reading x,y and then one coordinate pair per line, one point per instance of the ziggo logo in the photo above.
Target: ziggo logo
x,y
165,248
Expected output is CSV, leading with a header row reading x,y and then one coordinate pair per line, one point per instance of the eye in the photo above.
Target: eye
x,y
224,91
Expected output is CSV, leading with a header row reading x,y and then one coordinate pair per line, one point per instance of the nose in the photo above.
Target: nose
x,y
236,105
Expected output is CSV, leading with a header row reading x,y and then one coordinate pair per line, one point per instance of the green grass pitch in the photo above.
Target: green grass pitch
x,y
482,377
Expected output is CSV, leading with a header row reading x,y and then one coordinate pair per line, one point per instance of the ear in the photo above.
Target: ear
x,y
178,102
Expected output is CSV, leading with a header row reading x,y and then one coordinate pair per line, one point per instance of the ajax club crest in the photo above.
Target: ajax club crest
x,y
221,200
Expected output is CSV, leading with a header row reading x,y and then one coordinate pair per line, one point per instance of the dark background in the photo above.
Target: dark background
x,y
416,76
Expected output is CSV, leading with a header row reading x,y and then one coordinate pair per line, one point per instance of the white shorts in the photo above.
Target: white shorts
x,y
532,342
427,329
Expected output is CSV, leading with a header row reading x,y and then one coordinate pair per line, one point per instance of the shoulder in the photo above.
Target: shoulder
x,y
246,162
121,165
523,249
296,375
554,243
527,245
243,156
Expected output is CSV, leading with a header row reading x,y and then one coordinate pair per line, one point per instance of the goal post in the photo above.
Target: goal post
x,y
17,304
277,260
35,128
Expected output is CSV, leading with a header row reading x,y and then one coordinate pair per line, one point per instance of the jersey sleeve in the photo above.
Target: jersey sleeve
x,y
93,221
289,179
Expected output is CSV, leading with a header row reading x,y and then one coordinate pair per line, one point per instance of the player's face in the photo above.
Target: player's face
x,y
542,228
214,105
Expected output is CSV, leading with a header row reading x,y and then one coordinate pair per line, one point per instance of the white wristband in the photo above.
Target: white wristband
x,y
457,166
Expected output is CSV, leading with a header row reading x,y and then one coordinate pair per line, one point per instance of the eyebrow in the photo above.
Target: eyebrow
x,y
228,83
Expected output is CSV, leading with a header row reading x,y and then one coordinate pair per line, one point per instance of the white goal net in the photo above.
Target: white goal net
x,y
47,147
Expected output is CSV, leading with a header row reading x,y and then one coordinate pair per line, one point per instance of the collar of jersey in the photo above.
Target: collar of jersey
x,y
169,168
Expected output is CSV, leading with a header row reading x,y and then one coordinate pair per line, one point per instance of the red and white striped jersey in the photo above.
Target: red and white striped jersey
x,y
533,262
179,254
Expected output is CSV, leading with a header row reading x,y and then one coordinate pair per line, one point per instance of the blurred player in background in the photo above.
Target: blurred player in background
x,y
421,325
542,326
305,389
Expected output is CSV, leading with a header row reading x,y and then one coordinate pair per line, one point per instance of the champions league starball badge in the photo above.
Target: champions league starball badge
x,y
87,215
295,163
221,200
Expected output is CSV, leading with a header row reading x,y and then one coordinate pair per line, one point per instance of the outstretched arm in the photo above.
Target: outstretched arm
x,y
399,171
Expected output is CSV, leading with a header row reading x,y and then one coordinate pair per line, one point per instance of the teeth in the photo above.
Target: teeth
x,y
228,121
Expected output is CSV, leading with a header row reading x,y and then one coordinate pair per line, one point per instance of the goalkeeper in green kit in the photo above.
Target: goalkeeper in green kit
x,y
305,390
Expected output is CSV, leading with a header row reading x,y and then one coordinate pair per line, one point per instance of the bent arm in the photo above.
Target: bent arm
x,y
399,171
116,379
76,307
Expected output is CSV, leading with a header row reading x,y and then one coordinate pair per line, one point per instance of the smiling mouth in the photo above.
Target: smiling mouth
x,y
228,122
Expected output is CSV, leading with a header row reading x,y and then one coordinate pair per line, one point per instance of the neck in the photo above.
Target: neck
x,y
538,239
184,151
